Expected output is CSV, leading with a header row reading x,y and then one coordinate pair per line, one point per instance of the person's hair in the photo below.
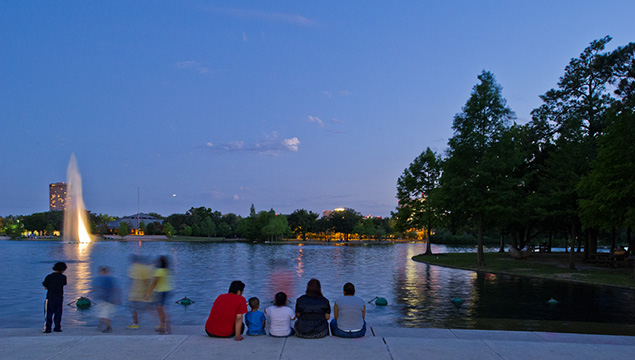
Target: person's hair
x,y
254,302
313,288
59,266
280,299
163,262
349,289
236,286
103,269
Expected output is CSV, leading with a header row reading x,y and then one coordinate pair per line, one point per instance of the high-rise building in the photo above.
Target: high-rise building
x,y
57,196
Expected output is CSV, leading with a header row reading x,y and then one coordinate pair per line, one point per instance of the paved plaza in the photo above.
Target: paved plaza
x,y
190,342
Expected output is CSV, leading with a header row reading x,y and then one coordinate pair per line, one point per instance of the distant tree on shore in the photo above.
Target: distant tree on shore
x,y
123,229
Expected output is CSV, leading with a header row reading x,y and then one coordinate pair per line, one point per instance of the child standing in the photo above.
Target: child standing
x,y
54,284
280,317
255,319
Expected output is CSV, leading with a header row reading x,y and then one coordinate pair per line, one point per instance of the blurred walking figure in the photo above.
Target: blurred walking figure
x,y
54,285
107,296
140,275
162,285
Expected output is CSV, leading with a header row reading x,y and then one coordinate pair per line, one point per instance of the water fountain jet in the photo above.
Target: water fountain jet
x,y
75,215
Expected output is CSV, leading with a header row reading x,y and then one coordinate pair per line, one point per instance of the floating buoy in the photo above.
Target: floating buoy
x,y
552,301
81,303
185,301
457,302
380,301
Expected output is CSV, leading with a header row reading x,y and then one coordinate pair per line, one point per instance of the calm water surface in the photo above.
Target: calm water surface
x,y
419,295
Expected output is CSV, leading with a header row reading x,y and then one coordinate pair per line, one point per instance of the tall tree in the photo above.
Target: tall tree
x,y
577,111
415,193
468,185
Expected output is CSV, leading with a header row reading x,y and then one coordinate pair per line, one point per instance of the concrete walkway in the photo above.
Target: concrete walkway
x,y
189,342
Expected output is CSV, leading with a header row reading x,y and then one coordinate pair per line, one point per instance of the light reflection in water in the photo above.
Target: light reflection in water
x,y
419,295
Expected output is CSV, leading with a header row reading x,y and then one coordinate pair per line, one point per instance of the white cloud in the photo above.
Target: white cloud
x,y
209,144
192,65
315,119
334,120
271,145
291,144
327,94
244,37
345,93
236,197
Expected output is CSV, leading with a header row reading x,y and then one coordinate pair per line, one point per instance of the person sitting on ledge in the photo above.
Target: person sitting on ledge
x,y
313,311
349,312
226,317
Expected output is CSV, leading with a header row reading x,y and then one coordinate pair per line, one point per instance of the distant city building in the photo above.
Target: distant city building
x,y
57,196
327,213
133,223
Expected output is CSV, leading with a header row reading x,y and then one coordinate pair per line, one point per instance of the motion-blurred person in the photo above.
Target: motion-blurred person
x,y
162,286
140,275
107,296
54,285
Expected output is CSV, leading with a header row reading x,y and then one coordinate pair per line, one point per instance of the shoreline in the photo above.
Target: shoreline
x,y
566,278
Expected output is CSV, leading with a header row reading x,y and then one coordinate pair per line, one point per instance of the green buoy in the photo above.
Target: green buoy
x,y
457,302
185,301
83,303
381,301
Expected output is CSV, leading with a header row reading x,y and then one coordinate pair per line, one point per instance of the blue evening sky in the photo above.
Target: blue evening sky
x,y
285,104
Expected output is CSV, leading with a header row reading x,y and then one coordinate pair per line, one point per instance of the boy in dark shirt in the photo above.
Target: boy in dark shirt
x,y
54,284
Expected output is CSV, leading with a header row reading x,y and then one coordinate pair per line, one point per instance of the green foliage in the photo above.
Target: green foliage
x,y
472,183
154,228
224,230
302,221
417,190
49,229
208,228
343,221
168,230
607,193
123,229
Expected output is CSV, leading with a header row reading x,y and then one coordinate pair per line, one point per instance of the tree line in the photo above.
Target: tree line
x,y
570,169
205,222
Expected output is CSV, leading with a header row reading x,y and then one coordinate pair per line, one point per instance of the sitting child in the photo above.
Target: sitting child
x,y
280,317
255,319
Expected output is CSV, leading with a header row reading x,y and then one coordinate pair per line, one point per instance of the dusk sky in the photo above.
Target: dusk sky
x,y
284,105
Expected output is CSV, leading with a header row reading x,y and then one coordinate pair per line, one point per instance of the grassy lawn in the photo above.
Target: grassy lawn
x,y
551,265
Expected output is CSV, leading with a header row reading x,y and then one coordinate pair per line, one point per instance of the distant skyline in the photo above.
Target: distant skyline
x,y
284,105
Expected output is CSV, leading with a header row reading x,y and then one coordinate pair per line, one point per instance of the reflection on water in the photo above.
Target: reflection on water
x,y
419,295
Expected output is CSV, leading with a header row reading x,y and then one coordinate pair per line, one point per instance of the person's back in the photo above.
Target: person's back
x,y
350,312
226,312
280,317
255,319
313,311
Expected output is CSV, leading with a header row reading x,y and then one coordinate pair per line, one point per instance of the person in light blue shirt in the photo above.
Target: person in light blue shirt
x,y
348,315
255,319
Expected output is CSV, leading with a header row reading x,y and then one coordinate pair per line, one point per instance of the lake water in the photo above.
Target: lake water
x,y
419,295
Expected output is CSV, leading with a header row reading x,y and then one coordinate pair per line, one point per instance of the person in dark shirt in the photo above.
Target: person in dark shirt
x,y
313,311
54,284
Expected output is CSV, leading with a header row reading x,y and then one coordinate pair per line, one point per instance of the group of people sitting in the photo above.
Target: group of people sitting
x,y
311,315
